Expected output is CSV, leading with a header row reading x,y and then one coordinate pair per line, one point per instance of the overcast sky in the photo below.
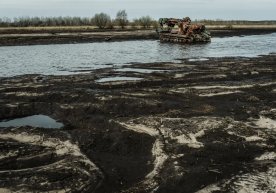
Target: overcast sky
x,y
196,9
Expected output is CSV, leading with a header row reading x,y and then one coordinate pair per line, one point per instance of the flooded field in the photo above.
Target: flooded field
x,y
80,58
205,123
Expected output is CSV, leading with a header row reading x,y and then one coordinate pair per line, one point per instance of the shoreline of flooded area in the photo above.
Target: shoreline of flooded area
x,y
211,118
23,37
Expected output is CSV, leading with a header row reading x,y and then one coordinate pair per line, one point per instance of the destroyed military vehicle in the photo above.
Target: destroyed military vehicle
x,y
186,32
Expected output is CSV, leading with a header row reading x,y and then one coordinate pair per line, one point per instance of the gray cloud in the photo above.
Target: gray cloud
x,y
210,9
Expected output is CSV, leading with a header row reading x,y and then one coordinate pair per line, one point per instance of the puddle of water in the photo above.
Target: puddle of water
x,y
63,58
33,121
140,70
118,78
198,59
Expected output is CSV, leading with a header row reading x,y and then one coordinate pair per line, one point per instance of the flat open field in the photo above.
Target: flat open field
x,y
60,29
74,37
194,126
86,34
241,26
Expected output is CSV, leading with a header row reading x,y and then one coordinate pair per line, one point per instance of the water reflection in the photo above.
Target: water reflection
x,y
33,121
139,70
118,78
73,58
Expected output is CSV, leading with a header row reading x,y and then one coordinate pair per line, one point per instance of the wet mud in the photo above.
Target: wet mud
x,y
194,126
20,37
74,37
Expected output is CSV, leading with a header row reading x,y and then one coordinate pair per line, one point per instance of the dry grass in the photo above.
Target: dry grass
x,y
241,26
48,28
60,29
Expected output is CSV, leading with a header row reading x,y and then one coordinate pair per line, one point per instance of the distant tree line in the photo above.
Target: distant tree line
x,y
45,21
101,20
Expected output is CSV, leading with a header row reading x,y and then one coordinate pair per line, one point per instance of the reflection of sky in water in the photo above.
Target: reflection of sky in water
x,y
34,121
140,70
70,58
118,78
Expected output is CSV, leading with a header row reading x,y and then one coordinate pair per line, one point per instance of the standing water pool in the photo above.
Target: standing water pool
x,y
75,58
42,121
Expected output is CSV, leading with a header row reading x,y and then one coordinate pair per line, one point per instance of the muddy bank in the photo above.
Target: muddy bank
x,y
196,126
241,32
15,38
71,38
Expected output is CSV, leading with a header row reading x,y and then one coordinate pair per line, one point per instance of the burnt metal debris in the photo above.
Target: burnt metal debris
x,y
187,32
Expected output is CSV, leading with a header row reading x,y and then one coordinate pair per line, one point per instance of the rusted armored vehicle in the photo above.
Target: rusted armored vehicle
x,y
182,31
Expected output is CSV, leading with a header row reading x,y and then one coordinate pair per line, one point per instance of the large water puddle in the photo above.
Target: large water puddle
x,y
42,121
198,59
75,58
139,70
117,78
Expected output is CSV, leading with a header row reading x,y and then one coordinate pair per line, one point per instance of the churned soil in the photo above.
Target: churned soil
x,y
192,126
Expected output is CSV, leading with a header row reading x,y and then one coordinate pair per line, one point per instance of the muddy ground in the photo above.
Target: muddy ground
x,y
21,37
76,37
192,126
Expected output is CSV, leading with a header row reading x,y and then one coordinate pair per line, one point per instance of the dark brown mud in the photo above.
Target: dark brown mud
x,y
194,126
72,38
19,38
241,32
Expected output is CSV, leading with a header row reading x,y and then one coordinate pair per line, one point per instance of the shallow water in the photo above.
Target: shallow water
x,y
33,121
77,58
117,78
139,70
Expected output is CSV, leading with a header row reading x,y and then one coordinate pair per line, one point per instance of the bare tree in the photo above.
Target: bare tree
x,y
101,20
155,24
145,21
110,24
121,18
